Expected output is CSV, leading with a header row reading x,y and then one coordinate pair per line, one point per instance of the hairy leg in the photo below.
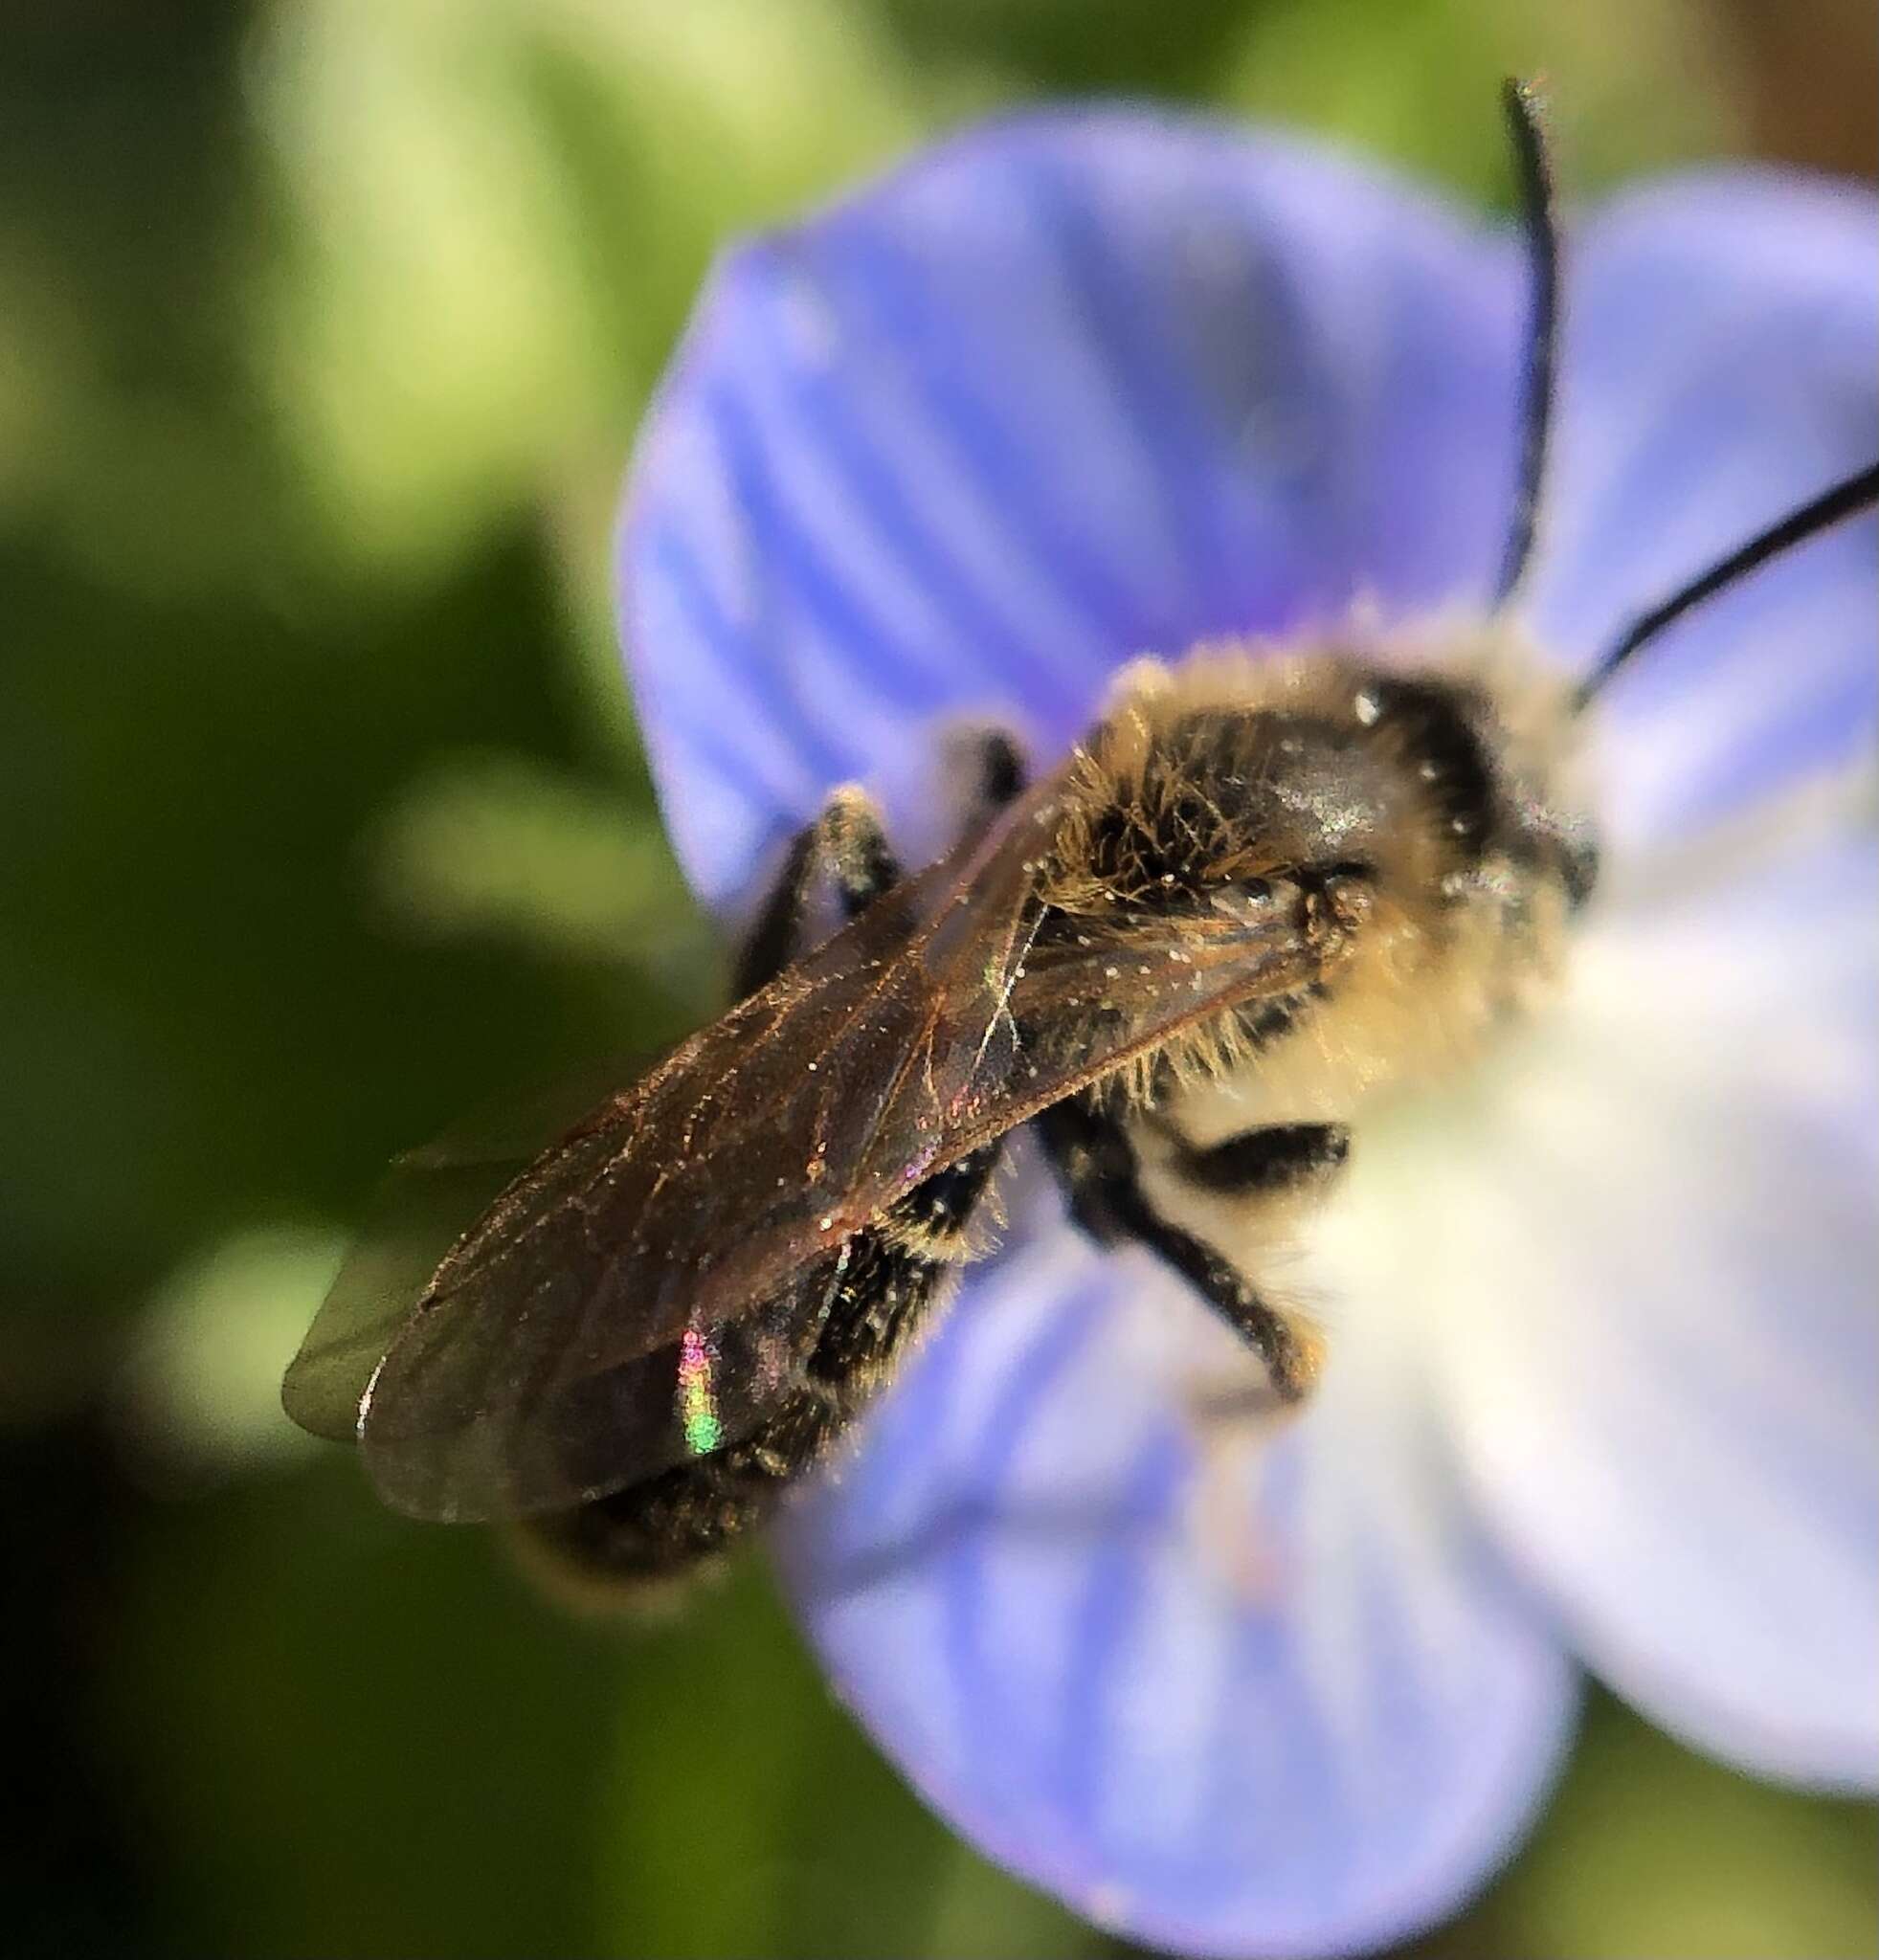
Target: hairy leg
x,y
1097,1166
1275,1158
846,844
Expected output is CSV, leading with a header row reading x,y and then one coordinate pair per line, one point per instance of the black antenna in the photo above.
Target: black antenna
x,y
1532,171
1846,499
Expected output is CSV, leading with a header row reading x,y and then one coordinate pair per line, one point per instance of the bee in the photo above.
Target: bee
x,y
1271,882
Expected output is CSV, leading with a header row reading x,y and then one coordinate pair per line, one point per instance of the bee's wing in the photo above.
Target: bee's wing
x,y
426,1201
640,1293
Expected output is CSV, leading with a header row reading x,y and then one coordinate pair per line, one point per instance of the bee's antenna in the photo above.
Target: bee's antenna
x,y
1846,499
1532,169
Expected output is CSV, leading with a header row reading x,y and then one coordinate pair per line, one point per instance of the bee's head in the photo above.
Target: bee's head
x,y
1231,771
1488,759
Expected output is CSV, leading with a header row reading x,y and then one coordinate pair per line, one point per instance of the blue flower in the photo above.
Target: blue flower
x,y
1092,384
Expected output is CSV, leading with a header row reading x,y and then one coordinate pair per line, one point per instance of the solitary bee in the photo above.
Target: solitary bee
x,y
1269,882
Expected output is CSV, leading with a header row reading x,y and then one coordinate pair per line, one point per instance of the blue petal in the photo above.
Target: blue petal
x,y
1719,372
1226,1700
1672,1426
1060,391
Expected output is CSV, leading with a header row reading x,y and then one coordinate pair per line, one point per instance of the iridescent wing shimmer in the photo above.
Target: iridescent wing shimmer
x,y
643,1289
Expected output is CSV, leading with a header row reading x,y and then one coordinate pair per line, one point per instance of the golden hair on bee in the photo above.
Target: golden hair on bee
x,y
1422,790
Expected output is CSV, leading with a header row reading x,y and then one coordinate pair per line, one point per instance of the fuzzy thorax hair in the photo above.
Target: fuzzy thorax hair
x,y
1412,804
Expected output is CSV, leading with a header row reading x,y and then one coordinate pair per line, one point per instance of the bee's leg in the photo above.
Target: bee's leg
x,y
1000,762
847,844
1097,1166
1261,1163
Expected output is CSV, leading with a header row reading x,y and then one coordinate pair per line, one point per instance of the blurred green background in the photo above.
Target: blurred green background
x,y
324,327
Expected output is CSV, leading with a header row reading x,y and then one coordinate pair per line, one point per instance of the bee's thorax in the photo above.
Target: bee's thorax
x,y
1433,791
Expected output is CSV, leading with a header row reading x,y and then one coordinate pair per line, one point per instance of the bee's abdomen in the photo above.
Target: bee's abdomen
x,y
878,1293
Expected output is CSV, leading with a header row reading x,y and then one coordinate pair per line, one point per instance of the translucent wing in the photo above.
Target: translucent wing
x,y
644,1288
424,1204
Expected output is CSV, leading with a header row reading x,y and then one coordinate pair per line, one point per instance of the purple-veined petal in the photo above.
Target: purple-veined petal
x,y
1718,370
1063,390
1238,1698
1653,1277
